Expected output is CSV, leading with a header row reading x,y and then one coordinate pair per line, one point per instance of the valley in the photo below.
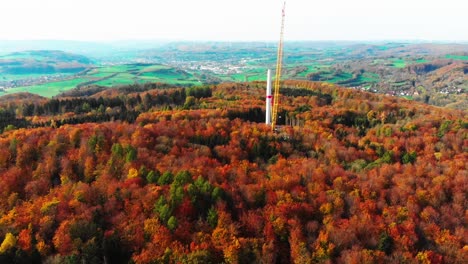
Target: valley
x,y
430,73
164,132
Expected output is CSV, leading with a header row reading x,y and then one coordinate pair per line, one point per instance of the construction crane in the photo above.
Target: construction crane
x,y
279,64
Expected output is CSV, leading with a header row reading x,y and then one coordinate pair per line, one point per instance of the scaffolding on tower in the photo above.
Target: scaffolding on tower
x,y
279,65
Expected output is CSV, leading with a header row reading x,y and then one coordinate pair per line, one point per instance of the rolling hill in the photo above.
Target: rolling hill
x,y
433,73
42,62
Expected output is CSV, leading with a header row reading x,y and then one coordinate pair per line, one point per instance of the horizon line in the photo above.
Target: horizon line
x,y
235,41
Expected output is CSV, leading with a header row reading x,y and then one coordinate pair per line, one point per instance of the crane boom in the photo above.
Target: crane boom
x,y
279,64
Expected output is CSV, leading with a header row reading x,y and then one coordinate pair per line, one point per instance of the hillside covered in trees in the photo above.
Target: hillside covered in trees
x,y
155,174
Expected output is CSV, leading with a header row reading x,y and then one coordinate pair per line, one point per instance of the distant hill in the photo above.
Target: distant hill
x,y
92,49
42,62
18,98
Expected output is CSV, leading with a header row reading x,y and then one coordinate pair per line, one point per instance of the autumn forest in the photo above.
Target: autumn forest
x,y
161,174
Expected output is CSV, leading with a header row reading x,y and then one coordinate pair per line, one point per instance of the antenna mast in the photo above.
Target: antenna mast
x,y
279,64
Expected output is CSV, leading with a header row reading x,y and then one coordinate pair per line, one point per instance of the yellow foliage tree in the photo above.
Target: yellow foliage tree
x,y
8,243
132,173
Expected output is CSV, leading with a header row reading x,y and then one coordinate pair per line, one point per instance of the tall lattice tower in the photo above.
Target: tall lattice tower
x,y
279,65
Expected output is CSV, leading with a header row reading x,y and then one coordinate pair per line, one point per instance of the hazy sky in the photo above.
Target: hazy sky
x,y
233,20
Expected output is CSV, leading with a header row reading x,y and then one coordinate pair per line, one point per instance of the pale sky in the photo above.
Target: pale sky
x,y
233,20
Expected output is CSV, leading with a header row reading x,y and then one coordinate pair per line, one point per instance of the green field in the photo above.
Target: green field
x,y
364,80
258,72
369,77
118,79
156,67
99,74
456,57
399,63
310,69
118,68
421,61
398,84
13,77
236,77
48,89
130,74
107,76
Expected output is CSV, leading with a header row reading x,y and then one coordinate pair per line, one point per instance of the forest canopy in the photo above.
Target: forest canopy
x,y
154,174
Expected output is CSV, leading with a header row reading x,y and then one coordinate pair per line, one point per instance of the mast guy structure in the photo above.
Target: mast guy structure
x,y
279,64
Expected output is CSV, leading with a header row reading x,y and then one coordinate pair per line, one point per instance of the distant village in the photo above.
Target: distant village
x,y
228,68
36,80
210,66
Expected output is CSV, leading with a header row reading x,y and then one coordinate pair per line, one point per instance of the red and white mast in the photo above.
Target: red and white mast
x,y
269,98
